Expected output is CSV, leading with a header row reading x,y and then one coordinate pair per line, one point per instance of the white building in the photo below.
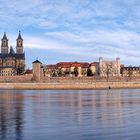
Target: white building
x,y
109,68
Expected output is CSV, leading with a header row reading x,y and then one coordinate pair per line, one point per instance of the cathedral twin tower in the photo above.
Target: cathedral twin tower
x,y
5,48
11,62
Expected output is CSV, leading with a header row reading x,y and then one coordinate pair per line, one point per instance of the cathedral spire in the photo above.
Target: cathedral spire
x,y
19,47
19,35
4,44
4,36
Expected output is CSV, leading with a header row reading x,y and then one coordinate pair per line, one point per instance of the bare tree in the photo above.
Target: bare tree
x,y
130,73
109,70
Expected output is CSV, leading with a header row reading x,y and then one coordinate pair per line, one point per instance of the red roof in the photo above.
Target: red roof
x,y
94,63
70,64
85,65
50,66
64,64
76,64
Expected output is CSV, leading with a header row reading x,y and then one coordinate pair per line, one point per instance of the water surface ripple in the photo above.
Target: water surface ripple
x,y
70,114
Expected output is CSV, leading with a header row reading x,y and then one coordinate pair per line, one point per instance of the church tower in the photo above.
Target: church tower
x,y
19,47
4,45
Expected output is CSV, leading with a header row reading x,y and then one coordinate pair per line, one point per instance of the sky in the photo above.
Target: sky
x,y
74,30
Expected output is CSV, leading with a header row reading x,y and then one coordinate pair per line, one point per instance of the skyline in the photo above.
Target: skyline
x,y
69,30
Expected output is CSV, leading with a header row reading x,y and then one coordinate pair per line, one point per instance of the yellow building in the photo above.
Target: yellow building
x,y
50,70
130,71
68,69
7,71
94,68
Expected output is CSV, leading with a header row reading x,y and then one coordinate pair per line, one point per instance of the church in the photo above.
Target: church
x,y
11,62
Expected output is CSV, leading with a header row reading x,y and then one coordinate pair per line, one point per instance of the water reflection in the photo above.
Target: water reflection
x,y
66,115
11,115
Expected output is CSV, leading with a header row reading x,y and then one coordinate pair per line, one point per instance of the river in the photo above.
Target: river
x,y
70,114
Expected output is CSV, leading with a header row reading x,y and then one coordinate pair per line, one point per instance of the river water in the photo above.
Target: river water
x,y
70,114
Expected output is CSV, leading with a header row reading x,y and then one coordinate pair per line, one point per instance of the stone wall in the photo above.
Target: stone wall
x,y
89,79
88,85
15,79
29,78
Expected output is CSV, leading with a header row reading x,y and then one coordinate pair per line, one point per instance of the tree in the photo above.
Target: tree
x,y
121,71
84,72
54,73
60,73
130,72
89,72
67,72
111,70
76,71
139,70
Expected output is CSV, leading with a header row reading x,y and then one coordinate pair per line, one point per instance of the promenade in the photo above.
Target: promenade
x,y
74,85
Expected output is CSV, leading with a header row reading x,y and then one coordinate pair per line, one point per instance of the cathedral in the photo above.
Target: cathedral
x,y
11,62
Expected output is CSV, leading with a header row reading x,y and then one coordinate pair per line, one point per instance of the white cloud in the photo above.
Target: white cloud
x,y
80,28
108,44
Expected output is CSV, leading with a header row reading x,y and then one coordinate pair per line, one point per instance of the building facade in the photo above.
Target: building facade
x,y
109,68
71,69
37,70
130,71
11,62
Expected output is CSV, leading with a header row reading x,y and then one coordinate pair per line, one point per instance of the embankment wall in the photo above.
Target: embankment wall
x,y
76,85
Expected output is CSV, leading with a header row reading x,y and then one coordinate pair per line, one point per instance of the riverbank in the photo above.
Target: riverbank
x,y
53,86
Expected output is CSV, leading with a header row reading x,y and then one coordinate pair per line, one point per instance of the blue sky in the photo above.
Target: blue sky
x,y
74,30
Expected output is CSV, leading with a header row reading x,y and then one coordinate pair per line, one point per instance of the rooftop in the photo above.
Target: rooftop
x,y
37,61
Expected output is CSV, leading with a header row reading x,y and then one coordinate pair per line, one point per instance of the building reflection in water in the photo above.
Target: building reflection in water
x,y
98,107
11,114
104,106
42,112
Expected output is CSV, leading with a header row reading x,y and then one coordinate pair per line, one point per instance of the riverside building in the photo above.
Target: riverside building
x,y
131,71
11,62
109,67
72,69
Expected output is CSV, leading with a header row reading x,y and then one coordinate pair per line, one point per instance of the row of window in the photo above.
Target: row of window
x,y
2,72
6,73
9,74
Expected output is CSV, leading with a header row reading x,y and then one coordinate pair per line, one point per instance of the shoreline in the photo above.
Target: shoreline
x,y
70,86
